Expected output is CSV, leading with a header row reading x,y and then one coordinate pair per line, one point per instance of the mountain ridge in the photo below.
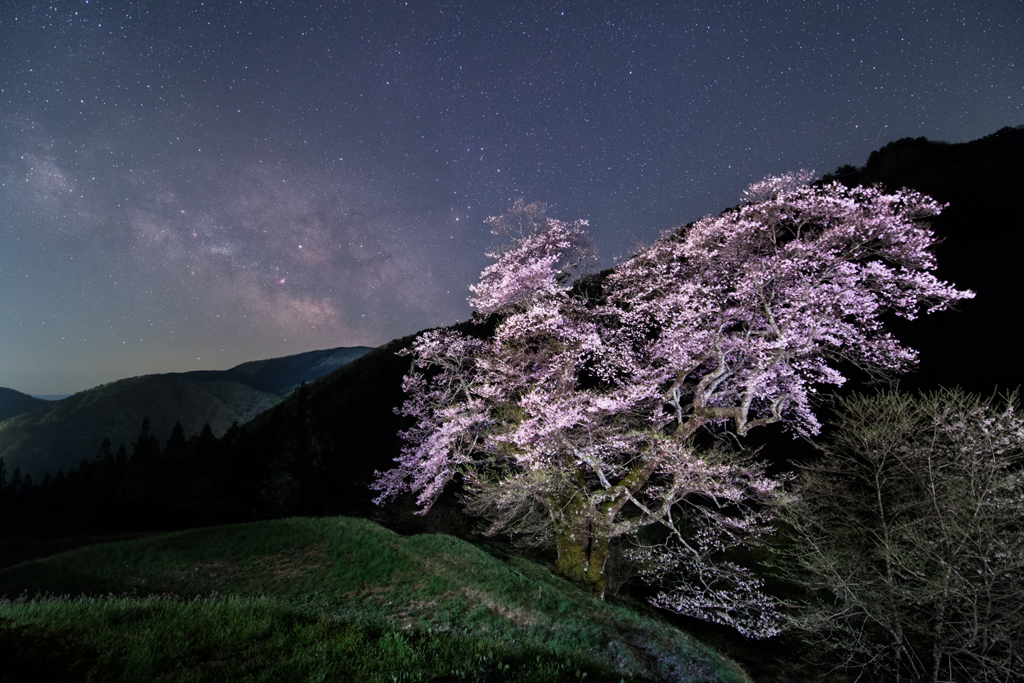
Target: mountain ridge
x,y
14,402
57,435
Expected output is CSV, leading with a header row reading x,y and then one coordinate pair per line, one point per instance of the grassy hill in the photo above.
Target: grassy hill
x,y
340,599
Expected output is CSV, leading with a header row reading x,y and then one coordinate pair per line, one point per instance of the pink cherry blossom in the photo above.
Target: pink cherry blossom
x,y
575,421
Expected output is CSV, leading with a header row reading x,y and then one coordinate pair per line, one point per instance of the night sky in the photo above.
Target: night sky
x,y
189,185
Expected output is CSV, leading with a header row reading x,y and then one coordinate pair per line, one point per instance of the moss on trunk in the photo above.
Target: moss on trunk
x,y
583,546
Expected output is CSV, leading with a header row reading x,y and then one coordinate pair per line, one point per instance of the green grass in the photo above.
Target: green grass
x,y
332,599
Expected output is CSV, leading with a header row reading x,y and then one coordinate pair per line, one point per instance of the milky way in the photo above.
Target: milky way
x,y
187,185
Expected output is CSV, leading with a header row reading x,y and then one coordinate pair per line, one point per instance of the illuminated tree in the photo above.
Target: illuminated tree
x,y
577,419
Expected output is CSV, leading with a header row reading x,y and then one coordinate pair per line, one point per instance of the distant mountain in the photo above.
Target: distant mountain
x,y
15,403
282,375
57,435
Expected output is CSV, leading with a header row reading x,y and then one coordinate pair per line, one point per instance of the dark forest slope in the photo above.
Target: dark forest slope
x,y
15,403
982,233
59,435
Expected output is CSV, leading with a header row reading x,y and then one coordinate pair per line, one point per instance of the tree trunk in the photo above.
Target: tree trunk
x,y
582,545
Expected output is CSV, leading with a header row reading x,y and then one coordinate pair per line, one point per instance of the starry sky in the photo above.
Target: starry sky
x,y
191,185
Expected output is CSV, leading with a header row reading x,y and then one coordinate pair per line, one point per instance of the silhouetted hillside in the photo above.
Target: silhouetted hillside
x,y
977,347
15,403
350,416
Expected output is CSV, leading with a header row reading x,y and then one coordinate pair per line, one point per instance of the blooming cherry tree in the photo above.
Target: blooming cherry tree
x,y
576,419
742,316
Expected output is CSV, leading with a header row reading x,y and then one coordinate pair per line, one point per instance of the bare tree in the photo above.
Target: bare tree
x,y
908,539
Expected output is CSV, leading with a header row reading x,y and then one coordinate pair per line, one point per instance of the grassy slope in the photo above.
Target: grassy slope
x,y
323,599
